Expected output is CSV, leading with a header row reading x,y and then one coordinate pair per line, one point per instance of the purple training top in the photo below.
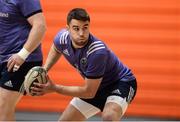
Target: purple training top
x,y
94,60
14,27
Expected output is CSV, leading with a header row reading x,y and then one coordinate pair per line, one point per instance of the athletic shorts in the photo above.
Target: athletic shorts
x,y
122,89
120,92
14,80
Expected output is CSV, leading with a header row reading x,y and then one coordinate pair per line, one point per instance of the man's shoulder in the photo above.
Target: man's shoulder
x,y
61,36
62,32
96,47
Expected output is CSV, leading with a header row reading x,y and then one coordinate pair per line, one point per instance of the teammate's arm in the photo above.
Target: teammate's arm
x,y
52,58
35,36
37,32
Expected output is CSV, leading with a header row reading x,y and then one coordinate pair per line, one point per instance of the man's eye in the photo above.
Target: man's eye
x,y
76,29
85,28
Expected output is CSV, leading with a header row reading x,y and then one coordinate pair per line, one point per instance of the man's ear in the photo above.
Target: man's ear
x,y
67,27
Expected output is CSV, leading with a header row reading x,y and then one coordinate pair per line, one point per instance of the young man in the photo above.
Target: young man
x,y
109,85
22,27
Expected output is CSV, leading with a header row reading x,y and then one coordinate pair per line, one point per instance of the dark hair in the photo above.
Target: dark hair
x,y
78,14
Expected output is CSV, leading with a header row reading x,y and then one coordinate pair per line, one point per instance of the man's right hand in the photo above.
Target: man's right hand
x,y
14,62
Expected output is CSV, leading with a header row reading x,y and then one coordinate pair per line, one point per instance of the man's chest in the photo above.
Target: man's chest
x,y
77,59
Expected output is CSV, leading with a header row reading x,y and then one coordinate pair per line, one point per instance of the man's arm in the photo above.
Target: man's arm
x,y
37,32
52,58
35,36
88,90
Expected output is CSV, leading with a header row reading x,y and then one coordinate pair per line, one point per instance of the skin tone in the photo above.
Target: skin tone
x,y
79,33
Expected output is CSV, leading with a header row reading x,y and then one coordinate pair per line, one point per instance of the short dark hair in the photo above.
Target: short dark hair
x,y
78,14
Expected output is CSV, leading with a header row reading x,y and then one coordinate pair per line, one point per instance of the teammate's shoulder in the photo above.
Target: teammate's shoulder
x,y
30,2
96,46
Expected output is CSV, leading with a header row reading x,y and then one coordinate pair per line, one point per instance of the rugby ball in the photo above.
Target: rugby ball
x,y
35,74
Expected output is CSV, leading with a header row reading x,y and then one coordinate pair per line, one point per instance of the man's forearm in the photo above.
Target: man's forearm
x,y
52,58
75,91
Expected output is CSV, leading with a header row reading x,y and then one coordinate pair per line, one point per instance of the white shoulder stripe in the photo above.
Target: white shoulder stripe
x,y
95,49
94,43
60,41
66,37
63,38
94,46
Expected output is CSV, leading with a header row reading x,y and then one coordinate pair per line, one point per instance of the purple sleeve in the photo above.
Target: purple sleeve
x,y
57,42
96,66
30,7
58,39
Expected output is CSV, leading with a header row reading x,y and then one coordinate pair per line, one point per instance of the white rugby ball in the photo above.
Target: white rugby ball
x,y
35,74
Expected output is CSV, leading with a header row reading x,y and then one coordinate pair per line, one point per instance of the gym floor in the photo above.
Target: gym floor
x,y
41,116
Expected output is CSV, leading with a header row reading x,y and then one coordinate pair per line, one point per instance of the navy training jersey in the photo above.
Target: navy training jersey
x,y
94,60
14,27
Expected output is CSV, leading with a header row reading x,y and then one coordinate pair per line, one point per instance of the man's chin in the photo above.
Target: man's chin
x,y
81,44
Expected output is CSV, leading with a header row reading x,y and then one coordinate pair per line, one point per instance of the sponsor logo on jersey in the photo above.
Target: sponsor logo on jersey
x,y
5,15
66,52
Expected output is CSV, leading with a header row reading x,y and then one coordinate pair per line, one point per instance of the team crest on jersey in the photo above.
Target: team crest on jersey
x,y
83,61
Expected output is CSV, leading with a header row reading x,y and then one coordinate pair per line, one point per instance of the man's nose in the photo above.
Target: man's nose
x,y
81,32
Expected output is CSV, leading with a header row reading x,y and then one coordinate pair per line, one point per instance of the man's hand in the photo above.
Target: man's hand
x,y
14,62
40,89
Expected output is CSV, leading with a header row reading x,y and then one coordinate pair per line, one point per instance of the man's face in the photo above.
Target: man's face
x,y
79,32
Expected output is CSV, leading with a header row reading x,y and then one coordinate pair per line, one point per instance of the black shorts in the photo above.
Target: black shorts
x,y
14,80
120,88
